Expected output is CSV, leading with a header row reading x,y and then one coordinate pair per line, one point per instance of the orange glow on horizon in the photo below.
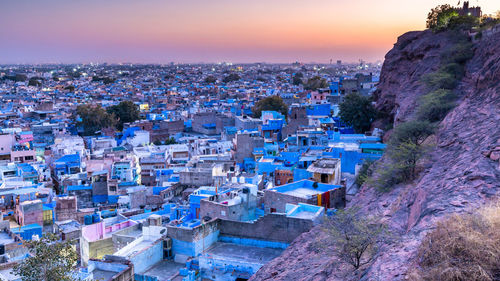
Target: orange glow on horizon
x,y
199,30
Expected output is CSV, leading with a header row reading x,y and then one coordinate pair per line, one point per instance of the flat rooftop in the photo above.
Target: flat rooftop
x,y
130,251
99,274
7,274
302,192
305,215
250,254
164,270
304,188
5,238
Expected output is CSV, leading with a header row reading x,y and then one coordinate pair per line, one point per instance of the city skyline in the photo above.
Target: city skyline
x,y
154,31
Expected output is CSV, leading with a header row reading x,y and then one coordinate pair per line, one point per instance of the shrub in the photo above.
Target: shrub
x,y
353,237
454,69
387,177
364,172
399,167
412,131
435,105
460,52
440,80
404,150
462,247
405,157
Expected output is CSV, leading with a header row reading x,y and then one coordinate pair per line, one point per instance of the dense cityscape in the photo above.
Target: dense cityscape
x,y
112,157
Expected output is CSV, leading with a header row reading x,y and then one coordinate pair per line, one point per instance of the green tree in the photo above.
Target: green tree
x,y
49,260
210,79
405,157
357,111
406,147
353,237
35,81
93,118
171,140
463,22
435,105
439,17
231,77
125,111
275,103
412,131
315,83
105,80
297,78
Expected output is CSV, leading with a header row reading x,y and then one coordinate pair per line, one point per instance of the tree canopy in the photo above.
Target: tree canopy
x,y
125,111
48,260
231,77
210,79
439,17
93,118
315,83
412,131
357,111
297,78
275,103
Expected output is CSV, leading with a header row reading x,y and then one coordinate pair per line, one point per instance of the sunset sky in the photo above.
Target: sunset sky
x,y
161,31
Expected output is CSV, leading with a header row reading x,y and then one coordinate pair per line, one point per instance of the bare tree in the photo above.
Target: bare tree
x,y
353,237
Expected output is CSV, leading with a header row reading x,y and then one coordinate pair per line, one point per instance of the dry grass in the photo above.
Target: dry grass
x,y
463,247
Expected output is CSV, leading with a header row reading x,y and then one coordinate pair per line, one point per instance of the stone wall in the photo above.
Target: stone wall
x,y
271,227
277,201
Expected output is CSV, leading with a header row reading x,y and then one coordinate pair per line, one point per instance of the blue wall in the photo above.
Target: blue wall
x,y
148,258
253,242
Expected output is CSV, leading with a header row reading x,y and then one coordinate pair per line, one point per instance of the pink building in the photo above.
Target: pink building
x,y
319,98
22,155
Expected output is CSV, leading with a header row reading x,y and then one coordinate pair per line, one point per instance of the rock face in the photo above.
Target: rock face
x,y
464,172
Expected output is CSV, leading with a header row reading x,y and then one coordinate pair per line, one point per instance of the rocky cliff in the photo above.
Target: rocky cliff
x,y
464,171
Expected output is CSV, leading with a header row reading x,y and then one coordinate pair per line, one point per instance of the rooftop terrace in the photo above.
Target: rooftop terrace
x,y
304,188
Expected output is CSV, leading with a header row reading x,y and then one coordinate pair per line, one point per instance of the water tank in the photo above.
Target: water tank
x,y
96,218
87,219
